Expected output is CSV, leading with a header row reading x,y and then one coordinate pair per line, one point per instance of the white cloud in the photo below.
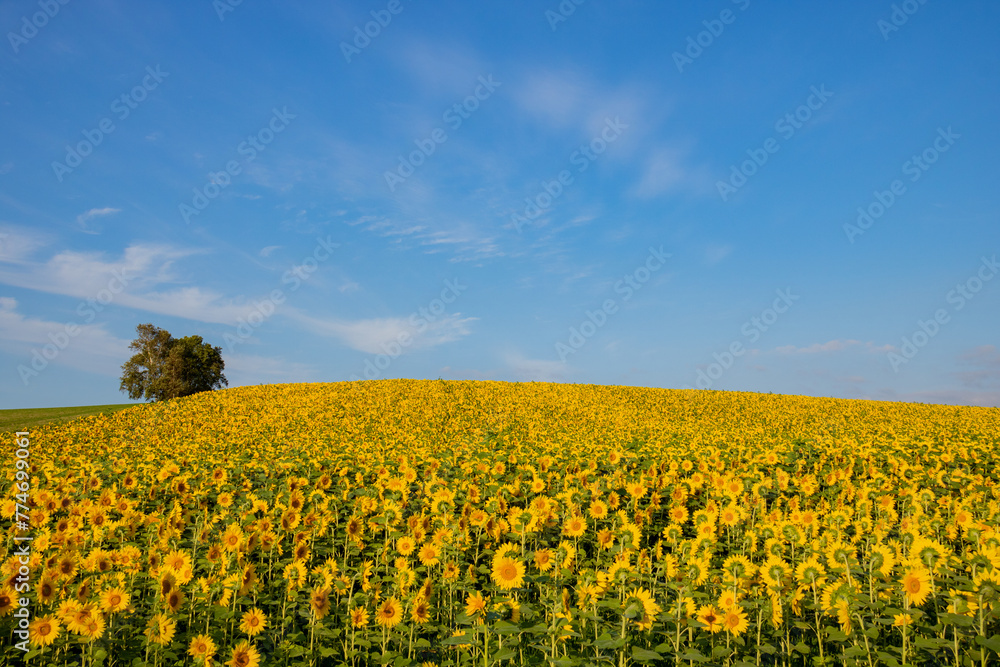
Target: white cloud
x,y
370,335
663,172
142,267
250,369
266,251
838,345
91,348
716,253
84,218
17,244
536,370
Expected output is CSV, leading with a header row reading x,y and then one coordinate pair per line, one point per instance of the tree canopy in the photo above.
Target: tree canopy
x,y
165,367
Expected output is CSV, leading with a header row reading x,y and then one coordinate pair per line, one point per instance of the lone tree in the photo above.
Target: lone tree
x,y
165,367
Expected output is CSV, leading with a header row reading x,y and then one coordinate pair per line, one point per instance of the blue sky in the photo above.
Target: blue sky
x,y
771,197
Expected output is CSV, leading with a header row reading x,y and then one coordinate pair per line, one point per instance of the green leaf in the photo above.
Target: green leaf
x,y
721,652
505,654
295,651
694,655
993,643
643,655
802,647
460,640
607,641
887,659
505,628
836,634
956,619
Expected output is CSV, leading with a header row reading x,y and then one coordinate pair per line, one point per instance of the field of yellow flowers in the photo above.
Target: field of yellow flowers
x,y
478,523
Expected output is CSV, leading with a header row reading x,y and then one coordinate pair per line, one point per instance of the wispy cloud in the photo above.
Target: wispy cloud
x,y
84,218
838,345
536,370
370,335
92,348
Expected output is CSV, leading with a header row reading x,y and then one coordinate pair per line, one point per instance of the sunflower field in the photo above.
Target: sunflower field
x,y
406,522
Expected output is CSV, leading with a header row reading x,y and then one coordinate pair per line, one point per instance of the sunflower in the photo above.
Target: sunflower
x,y
232,537
355,528
114,600
93,627
450,571
77,617
160,629
710,618
598,509
738,567
202,647
253,622
605,538
319,602
167,583
916,585
389,613
544,560
67,566
649,607
728,599
475,605
405,545
810,571
244,655
774,571
902,620
507,572
178,561
678,514
881,559
735,620
46,590
421,611
43,631
8,602
359,617
575,526
730,516
174,600
697,570
428,555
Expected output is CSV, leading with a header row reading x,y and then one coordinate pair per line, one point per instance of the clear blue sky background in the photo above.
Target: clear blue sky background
x,y
329,265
